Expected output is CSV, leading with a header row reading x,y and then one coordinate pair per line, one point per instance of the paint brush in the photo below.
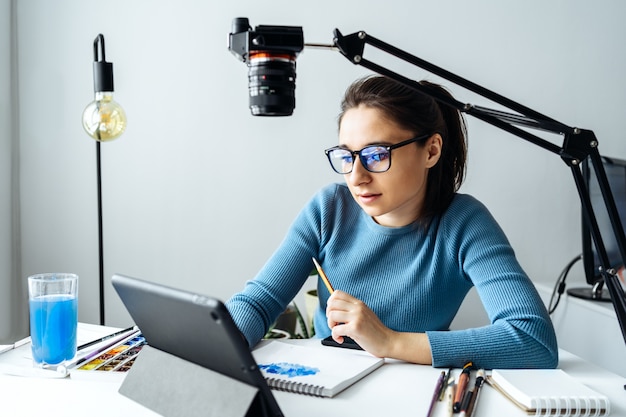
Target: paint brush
x,y
323,276
461,386
107,337
438,389
109,343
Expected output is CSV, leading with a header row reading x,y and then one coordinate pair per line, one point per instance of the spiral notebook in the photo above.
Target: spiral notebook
x,y
320,371
549,392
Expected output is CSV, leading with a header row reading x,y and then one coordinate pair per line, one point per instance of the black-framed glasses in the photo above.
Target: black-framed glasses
x,y
375,158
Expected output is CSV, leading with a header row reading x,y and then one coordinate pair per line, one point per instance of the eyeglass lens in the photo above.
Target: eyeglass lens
x,y
373,158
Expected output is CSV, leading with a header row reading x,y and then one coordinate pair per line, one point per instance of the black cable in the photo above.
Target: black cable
x,y
559,287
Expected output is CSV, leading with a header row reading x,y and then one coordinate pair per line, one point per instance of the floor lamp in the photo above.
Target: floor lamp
x,y
104,120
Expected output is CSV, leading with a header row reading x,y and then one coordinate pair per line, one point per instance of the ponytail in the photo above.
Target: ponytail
x,y
445,178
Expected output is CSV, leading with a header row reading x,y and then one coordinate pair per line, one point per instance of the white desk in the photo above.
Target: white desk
x,y
397,388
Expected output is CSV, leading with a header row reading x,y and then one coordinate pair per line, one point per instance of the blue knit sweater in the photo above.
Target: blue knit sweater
x,y
413,278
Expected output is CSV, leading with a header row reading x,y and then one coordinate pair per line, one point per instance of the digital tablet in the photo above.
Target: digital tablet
x,y
193,327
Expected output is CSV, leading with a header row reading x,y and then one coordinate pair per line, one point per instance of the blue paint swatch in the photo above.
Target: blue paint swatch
x,y
288,369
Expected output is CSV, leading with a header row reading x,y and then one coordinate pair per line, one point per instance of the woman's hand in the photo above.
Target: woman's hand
x,y
349,316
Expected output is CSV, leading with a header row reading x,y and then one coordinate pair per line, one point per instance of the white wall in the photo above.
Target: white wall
x,y
13,310
5,166
198,193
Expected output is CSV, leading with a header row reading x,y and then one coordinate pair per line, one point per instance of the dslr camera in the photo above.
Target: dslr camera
x,y
270,53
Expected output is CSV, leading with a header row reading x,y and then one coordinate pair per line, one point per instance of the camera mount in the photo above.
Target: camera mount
x,y
578,144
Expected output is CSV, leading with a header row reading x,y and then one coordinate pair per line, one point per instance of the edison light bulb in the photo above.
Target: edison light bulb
x,y
104,119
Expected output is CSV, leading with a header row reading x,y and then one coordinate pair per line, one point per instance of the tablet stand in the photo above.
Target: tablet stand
x,y
172,386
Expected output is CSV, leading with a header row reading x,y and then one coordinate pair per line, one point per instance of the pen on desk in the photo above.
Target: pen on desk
x,y
445,384
480,379
467,398
79,360
15,345
449,396
323,276
102,339
461,386
438,387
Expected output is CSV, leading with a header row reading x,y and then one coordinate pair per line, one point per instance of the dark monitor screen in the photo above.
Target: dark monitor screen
x,y
616,174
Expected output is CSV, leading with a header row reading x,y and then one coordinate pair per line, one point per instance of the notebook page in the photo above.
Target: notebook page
x,y
548,389
332,368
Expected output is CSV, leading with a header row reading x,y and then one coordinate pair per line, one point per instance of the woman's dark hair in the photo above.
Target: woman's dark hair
x,y
421,114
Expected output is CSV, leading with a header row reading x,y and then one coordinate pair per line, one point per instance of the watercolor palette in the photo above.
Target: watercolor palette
x,y
118,358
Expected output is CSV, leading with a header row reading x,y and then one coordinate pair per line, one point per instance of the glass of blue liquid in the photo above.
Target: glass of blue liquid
x,y
53,306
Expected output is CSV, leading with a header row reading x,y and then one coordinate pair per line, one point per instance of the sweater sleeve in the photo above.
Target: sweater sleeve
x,y
520,334
264,298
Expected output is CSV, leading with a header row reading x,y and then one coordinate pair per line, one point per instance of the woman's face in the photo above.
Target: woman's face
x,y
393,198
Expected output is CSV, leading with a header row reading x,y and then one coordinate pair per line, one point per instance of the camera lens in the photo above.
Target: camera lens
x,y
272,83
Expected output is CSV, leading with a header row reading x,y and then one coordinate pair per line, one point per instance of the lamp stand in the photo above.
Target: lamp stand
x,y
103,120
100,239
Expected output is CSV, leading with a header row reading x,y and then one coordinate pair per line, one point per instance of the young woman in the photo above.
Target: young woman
x,y
401,247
